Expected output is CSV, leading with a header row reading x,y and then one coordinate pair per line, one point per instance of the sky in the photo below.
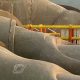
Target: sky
x,y
73,3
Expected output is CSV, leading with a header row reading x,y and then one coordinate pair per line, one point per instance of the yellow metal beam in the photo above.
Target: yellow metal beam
x,y
54,26
73,38
64,38
76,38
55,34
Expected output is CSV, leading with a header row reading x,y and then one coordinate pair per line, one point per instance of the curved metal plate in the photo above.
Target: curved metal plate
x,y
8,15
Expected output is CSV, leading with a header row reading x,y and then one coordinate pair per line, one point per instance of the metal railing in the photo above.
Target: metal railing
x,y
72,31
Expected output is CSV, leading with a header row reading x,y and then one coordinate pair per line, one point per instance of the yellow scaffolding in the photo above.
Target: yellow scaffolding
x,y
41,26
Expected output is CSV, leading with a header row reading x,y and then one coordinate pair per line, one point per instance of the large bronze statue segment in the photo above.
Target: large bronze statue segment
x,y
70,50
34,11
35,45
13,67
40,12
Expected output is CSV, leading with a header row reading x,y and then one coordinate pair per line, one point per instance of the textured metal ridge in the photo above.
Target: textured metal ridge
x,y
12,34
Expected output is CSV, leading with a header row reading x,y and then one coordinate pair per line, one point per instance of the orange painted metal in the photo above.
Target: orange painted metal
x,y
71,34
45,30
41,29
